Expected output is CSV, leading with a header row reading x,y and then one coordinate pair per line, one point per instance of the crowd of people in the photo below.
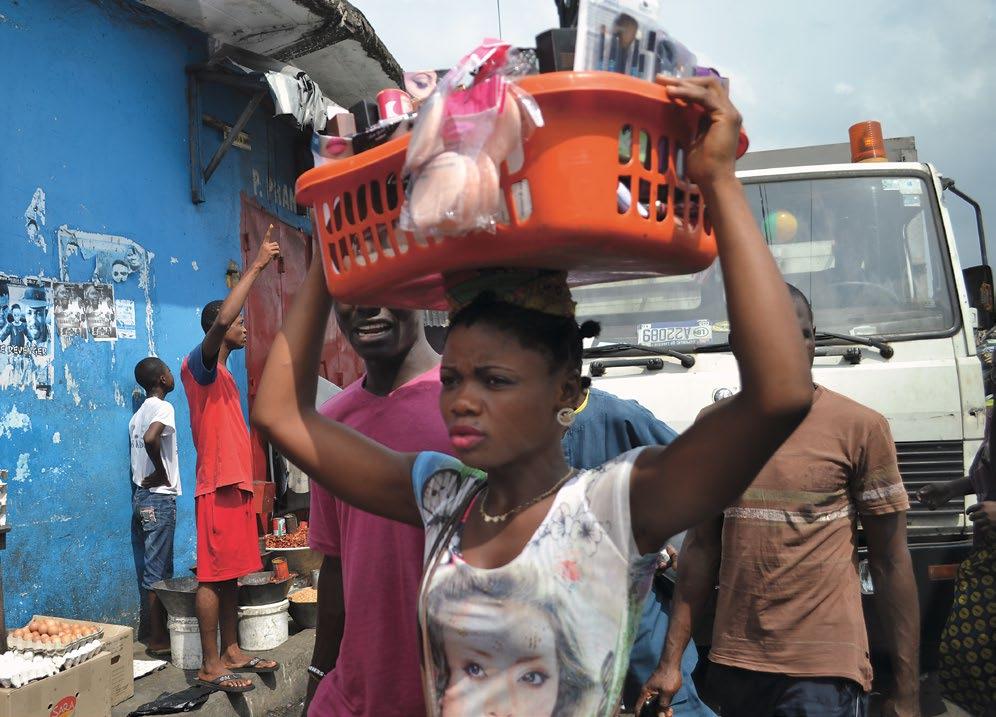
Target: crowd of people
x,y
496,532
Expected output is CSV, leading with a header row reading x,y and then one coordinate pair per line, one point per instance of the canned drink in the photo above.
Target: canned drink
x,y
280,569
279,527
393,102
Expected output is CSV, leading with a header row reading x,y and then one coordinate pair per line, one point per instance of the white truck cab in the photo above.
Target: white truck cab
x,y
871,246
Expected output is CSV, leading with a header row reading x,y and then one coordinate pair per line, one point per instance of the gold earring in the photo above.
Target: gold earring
x,y
565,417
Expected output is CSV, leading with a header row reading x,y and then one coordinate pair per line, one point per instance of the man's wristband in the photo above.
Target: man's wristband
x,y
315,674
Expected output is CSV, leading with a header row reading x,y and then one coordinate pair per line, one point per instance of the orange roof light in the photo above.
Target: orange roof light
x,y
867,144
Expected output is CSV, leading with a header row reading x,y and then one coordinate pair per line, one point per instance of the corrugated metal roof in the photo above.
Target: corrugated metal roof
x,y
329,39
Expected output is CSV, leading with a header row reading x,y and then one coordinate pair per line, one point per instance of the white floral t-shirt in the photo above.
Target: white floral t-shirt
x,y
550,632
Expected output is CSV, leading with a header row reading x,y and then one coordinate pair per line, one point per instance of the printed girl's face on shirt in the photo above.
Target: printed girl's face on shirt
x,y
499,399
502,659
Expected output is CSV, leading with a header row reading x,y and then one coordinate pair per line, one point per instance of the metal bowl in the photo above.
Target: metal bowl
x,y
305,614
177,596
257,589
299,560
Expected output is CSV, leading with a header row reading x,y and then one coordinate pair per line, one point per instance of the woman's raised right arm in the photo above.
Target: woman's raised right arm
x,y
352,467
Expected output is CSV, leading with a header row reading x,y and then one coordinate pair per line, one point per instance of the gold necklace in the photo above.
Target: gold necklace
x,y
505,516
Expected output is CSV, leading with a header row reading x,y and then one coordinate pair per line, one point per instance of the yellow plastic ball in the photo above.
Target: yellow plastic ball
x,y
781,226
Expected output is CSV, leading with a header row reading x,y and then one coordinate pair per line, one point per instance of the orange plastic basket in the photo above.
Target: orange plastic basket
x,y
565,207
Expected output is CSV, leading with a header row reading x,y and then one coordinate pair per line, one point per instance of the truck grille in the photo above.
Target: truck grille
x,y
923,462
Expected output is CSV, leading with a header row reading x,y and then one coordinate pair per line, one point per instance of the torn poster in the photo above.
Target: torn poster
x,y
70,321
109,258
34,220
27,349
98,306
124,313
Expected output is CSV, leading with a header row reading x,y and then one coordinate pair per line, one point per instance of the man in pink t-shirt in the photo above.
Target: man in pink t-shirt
x,y
366,659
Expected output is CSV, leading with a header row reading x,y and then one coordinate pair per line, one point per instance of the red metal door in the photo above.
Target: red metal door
x,y
270,299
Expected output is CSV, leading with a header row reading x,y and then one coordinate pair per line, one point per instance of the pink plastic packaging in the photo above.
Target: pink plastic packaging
x,y
475,120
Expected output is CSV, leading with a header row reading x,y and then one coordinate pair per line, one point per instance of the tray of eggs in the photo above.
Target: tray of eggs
x,y
53,637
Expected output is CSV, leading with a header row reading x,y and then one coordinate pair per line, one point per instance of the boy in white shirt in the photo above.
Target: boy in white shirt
x,y
156,475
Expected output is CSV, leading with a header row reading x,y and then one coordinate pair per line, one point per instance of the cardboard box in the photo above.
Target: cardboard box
x,y
119,641
81,691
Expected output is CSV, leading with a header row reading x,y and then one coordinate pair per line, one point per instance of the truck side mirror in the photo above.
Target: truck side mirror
x,y
979,285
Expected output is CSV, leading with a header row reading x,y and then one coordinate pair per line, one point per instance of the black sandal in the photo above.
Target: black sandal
x,y
216,683
253,666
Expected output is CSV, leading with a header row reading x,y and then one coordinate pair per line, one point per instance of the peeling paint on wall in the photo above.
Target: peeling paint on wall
x,y
72,388
174,260
14,421
119,398
34,220
194,266
149,326
56,437
102,258
115,259
22,472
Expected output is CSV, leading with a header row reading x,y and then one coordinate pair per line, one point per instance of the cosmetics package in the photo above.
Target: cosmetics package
x,y
383,131
626,36
555,49
326,149
365,113
341,125
420,85
476,121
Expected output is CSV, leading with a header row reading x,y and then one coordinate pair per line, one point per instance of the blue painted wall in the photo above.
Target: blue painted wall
x,y
95,114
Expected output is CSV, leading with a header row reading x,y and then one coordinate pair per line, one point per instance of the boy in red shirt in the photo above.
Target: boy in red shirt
x,y
227,542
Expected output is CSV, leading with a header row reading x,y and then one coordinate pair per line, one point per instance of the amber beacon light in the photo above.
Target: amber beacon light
x,y
867,144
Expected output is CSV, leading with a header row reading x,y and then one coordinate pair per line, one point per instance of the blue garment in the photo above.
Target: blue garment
x,y
156,515
608,426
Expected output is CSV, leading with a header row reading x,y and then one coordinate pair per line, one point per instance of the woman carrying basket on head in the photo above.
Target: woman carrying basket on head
x,y
535,574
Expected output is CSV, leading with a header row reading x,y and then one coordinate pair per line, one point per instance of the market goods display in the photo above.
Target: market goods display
x,y
306,595
47,635
297,539
44,647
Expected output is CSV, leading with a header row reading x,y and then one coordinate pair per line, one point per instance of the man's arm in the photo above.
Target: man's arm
x,y
236,299
934,495
331,622
698,571
897,605
153,439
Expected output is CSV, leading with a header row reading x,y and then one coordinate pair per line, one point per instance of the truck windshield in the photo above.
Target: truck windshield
x,y
864,249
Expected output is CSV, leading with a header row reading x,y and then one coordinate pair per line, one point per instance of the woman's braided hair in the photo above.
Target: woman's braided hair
x,y
560,338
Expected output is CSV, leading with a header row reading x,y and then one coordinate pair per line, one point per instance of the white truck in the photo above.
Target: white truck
x,y
872,247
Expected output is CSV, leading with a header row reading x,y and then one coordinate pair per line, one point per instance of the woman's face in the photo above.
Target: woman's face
x,y
500,400
502,659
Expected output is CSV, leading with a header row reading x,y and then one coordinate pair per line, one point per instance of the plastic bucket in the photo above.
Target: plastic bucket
x,y
263,627
185,642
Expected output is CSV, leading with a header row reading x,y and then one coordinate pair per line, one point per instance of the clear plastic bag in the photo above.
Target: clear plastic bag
x,y
475,120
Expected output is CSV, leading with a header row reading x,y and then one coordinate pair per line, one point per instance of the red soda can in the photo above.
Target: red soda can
x,y
279,527
393,102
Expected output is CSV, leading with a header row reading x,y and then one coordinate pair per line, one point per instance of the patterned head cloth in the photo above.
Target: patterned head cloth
x,y
541,290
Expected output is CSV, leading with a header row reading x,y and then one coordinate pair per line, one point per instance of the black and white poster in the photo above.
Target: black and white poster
x,y
70,321
98,307
27,348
